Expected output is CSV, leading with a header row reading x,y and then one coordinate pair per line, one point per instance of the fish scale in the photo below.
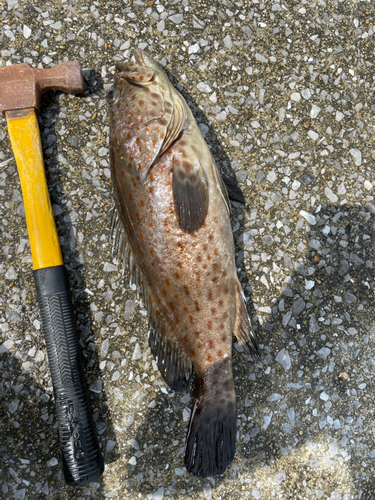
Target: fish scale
x,y
171,225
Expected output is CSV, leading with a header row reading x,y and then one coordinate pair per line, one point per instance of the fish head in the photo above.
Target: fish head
x,y
141,107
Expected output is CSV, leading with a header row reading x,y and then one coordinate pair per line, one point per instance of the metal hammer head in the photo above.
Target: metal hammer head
x,y
22,85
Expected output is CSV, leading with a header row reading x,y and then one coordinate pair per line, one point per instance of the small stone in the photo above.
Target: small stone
x,y
110,445
256,493
279,478
284,359
330,195
274,397
311,219
52,462
295,96
306,94
227,42
159,494
313,135
313,325
324,353
204,87
57,25
133,461
324,396
350,298
193,49
96,386
13,406
207,491
298,306
339,116
368,185
11,274
137,353
5,346
104,348
357,155
307,178
261,58
108,268
161,25
315,110
268,239
26,31
129,306
177,18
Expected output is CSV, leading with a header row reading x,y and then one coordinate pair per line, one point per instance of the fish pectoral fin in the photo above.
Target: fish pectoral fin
x,y
234,191
211,436
243,329
190,193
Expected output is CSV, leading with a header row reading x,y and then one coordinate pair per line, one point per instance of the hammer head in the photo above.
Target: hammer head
x,y
21,85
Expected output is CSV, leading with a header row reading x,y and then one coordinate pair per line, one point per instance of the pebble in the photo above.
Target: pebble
x,y
330,195
284,359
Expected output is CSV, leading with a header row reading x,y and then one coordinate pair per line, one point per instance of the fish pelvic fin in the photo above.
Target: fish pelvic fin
x,y
243,329
211,436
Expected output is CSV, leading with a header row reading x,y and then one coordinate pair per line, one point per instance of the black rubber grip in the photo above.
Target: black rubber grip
x,y
82,459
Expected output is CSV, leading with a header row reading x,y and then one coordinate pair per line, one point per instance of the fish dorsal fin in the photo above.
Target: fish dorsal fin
x,y
173,364
190,193
243,330
221,186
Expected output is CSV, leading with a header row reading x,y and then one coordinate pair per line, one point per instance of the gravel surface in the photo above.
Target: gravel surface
x,y
284,94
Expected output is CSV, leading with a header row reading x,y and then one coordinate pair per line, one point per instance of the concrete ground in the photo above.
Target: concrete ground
x,y
284,94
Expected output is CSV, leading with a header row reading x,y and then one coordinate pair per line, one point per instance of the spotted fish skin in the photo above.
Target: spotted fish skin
x,y
171,224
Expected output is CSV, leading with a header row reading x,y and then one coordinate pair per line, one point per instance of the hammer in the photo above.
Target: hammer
x,y
21,87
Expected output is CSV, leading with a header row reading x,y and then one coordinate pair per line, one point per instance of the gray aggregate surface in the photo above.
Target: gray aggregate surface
x,y
284,94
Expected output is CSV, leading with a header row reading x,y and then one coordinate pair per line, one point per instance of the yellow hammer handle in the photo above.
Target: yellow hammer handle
x,y
27,147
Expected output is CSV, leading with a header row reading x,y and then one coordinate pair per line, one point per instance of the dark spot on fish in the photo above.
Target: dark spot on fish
x,y
199,346
137,215
220,354
122,173
209,324
177,275
134,182
176,320
142,203
141,236
164,293
213,311
192,352
130,197
220,303
196,334
209,295
171,305
197,308
153,264
209,358
167,281
210,343
186,290
185,339
191,319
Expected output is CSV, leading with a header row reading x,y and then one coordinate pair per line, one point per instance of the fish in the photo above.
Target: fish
x,y
171,227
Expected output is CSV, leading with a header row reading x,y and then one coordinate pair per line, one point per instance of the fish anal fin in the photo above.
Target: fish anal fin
x,y
190,193
234,191
243,329
173,364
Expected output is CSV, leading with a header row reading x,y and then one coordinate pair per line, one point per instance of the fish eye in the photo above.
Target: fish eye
x,y
113,96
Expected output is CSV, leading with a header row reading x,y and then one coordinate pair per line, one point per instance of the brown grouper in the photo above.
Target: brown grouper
x,y
171,225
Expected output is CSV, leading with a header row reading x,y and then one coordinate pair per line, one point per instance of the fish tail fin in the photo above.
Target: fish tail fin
x,y
211,436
